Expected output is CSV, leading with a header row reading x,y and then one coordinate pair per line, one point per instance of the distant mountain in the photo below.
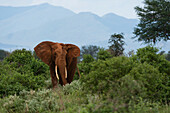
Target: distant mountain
x,y
117,23
32,18
7,11
27,26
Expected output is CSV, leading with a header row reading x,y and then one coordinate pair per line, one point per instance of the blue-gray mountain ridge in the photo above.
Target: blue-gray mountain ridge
x,y
29,25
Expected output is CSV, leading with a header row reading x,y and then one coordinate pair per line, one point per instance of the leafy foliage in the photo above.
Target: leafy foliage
x,y
87,58
154,21
116,48
150,56
152,80
147,68
12,82
73,100
3,54
138,83
168,56
21,57
89,50
103,54
21,71
104,72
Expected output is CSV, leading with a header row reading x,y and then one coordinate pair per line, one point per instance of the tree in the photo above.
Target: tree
x,y
116,48
154,23
168,56
90,49
131,53
87,58
21,57
103,54
150,55
3,54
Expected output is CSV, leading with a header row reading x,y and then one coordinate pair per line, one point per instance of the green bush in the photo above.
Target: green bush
x,y
143,106
72,87
87,58
24,62
150,55
103,54
12,82
104,72
3,54
44,101
120,94
21,71
71,100
21,57
152,79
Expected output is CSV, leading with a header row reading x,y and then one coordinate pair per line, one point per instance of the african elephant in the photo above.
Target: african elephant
x,y
61,58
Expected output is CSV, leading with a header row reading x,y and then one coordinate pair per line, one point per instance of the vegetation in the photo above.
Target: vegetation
x,y
139,83
21,71
154,21
167,56
3,54
116,48
89,50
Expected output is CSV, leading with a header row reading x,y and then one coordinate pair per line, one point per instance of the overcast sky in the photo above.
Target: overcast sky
x,y
100,7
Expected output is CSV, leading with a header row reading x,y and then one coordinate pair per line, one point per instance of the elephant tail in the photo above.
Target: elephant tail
x,y
78,72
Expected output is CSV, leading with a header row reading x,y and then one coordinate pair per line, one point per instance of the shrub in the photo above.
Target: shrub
x,y
121,92
152,80
143,106
21,57
12,82
150,55
24,62
3,54
73,87
104,72
103,54
45,101
87,58
21,71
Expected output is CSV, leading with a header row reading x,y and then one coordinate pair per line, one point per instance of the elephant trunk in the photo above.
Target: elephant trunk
x,y
63,73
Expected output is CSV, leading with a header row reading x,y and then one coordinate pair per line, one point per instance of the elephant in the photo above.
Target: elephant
x,y
61,58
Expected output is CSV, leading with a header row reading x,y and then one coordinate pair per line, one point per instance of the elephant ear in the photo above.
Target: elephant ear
x,y
73,50
44,51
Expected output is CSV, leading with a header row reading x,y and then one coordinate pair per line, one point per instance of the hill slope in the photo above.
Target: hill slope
x,y
28,26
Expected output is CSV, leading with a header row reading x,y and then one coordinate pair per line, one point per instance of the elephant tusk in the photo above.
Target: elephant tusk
x,y
66,72
56,72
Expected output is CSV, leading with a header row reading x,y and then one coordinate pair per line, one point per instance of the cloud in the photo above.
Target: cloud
x,y
121,7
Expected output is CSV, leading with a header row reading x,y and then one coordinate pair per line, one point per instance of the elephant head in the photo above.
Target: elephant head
x,y
62,59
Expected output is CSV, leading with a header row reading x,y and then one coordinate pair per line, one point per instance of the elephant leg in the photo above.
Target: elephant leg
x,y
71,70
53,76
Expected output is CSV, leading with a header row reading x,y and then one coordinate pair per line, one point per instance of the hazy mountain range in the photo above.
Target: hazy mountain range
x,y
27,26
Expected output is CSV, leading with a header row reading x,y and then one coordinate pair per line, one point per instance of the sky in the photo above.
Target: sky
x,y
123,8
